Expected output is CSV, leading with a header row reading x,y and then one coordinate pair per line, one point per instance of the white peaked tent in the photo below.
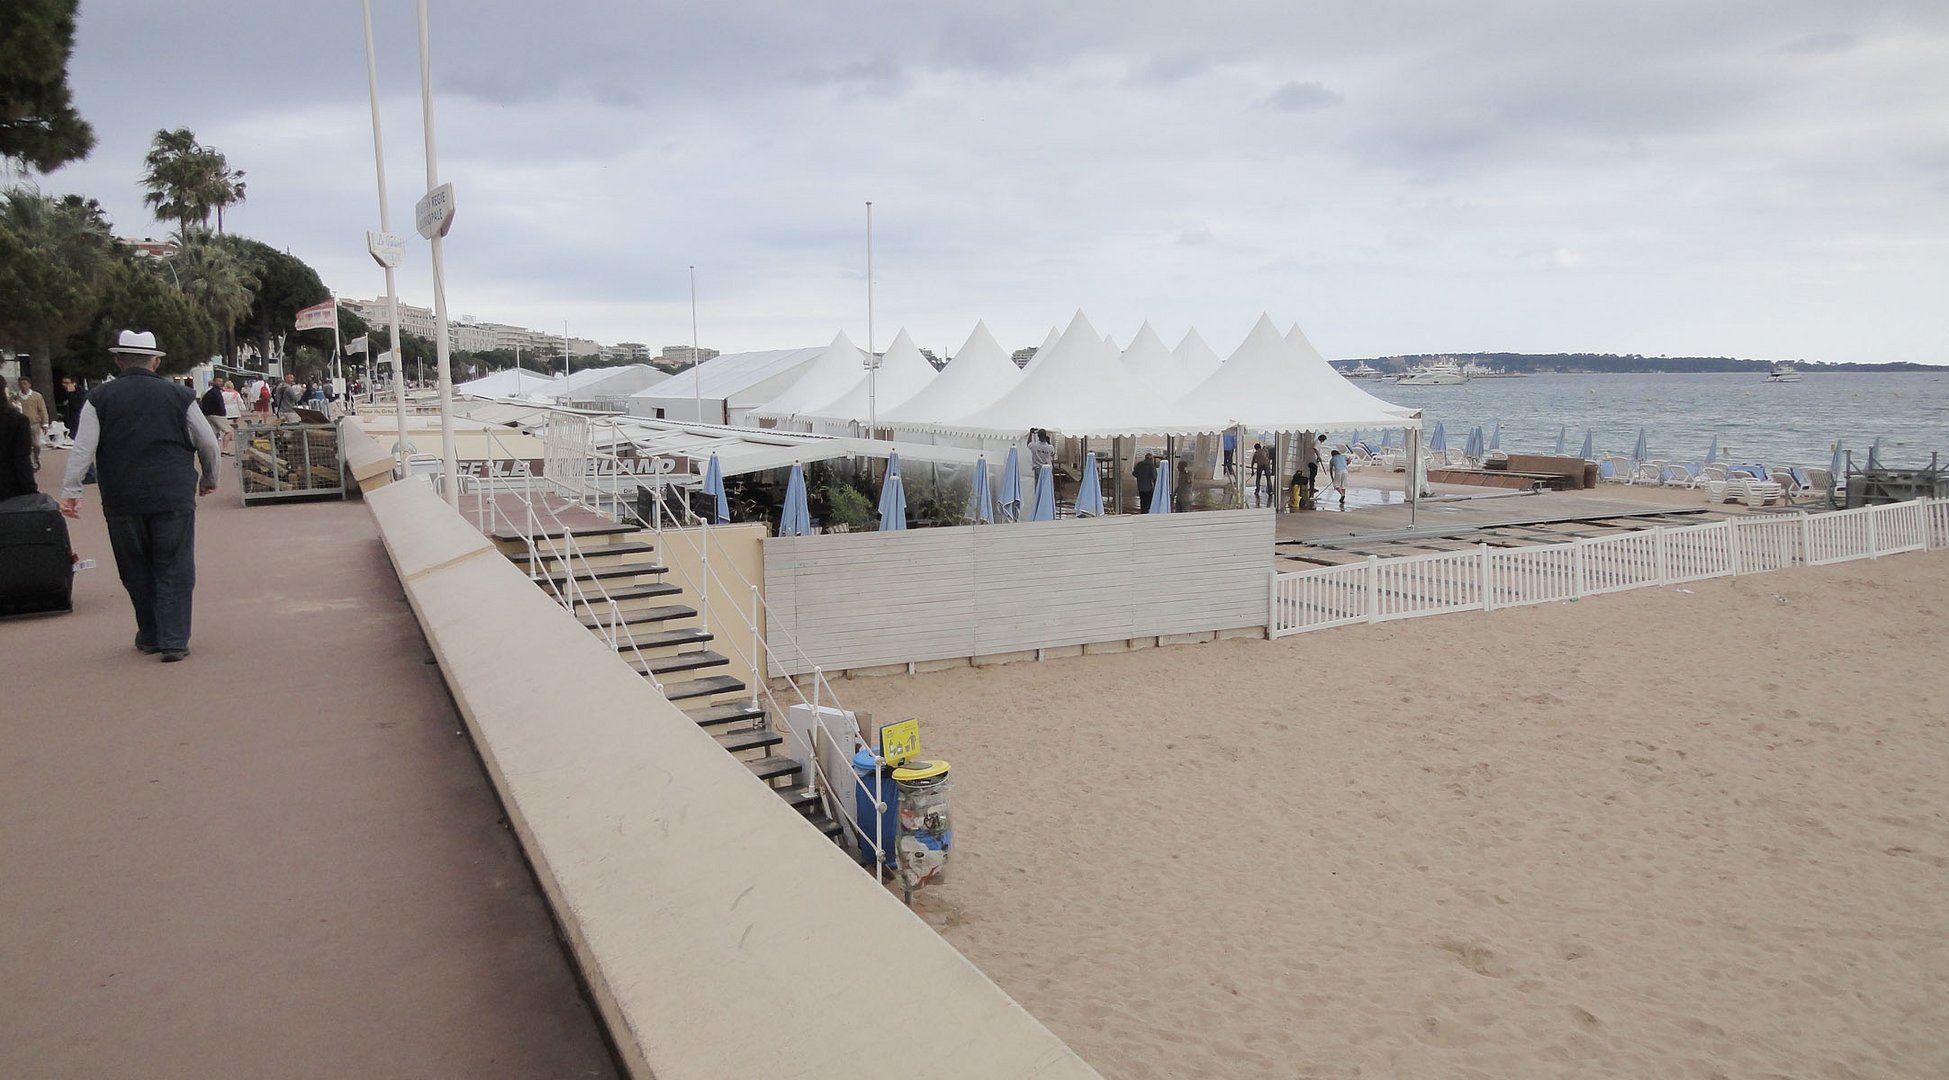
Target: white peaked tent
x,y
903,373
979,373
1064,375
1272,384
723,389
1156,371
1055,335
825,378
1200,360
512,382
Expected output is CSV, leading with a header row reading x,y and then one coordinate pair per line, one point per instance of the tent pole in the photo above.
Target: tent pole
x,y
1413,436
1116,472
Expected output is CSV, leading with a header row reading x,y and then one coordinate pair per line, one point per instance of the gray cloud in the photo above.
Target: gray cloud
x,y
1298,96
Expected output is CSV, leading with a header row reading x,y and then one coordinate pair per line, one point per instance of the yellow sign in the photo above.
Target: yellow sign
x,y
900,742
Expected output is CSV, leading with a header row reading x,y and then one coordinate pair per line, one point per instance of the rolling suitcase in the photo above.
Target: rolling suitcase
x,y
36,563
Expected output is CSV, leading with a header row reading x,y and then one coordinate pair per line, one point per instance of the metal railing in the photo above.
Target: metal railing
x,y
573,452
1486,578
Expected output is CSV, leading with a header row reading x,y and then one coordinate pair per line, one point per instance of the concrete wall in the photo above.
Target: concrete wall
x,y
720,933
865,600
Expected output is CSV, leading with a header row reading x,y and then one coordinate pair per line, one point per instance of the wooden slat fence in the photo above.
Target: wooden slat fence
x,y
869,599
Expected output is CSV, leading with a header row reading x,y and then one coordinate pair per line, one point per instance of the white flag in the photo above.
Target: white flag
x,y
356,345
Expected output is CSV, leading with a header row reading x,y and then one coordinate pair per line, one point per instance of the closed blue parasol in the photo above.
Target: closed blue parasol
x,y
1560,432
981,500
1638,453
1011,502
1089,497
796,520
1044,506
893,504
1439,440
1874,453
1712,454
1473,448
1160,500
1835,464
1495,440
1587,443
893,461
714,486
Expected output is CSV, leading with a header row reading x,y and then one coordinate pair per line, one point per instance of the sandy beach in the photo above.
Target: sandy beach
x,y
1697,831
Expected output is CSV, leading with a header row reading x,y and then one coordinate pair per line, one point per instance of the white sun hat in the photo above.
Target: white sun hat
x,y
139,342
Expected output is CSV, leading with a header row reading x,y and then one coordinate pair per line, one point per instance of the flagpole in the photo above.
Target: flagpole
x,y
338,346
385,226
449,466
872,361
696,379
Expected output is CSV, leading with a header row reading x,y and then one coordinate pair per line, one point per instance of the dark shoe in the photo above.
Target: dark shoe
x,y
145,648
170,656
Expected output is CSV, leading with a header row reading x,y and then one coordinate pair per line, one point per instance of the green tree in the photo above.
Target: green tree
x,y
54,254
188,181
134,297
39,127
219,283
285,286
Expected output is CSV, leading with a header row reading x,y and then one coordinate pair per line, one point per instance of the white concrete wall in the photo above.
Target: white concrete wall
x,y
860,600
721,935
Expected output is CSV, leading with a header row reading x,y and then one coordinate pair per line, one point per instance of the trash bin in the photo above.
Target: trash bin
x,y
863,792
926,829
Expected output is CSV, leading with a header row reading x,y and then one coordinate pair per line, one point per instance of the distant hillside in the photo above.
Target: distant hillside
x,y
1610,363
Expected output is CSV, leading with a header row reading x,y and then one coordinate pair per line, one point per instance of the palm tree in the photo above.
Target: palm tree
x,y
216,280
187,181
173,172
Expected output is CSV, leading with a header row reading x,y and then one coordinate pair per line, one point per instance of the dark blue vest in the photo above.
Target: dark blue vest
x,y
145,460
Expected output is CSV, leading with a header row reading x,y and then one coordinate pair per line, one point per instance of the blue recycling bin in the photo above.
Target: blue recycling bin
x,y
863,793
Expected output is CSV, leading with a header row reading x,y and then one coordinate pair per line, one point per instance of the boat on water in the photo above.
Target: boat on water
x,y
1435,373
1476,370
1363,371
1784,371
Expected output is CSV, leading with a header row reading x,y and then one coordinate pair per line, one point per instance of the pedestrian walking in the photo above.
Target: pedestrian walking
x,y
69,399
34,407
1231,453
1261,473
16,452
1337,471
1146,474
287,398
217,412
145,435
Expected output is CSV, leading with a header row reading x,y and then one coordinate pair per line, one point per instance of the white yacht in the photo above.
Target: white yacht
x,y
1476,370
1435,373
1783,371
1363,371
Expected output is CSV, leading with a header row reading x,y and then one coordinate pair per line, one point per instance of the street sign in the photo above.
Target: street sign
x,y
387,249
900,742
433,216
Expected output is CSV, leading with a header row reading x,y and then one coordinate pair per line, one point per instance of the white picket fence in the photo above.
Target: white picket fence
x,y
1485,578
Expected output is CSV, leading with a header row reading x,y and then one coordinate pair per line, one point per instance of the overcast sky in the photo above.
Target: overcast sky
x,y
1765,178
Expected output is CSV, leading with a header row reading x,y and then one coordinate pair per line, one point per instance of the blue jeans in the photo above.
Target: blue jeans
x,y
156,557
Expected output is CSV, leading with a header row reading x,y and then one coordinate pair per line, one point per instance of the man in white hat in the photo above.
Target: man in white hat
x,y
143,434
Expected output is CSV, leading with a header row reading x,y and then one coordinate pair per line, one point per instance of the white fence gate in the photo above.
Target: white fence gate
x,y
1485,578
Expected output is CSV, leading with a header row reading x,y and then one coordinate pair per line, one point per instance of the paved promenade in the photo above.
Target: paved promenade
x,y
279,858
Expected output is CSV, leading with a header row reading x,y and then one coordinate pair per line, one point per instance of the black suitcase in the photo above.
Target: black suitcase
x,y
36,563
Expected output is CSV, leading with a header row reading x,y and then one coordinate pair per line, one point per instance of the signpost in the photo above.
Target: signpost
x,y
900,742
433,214
388,249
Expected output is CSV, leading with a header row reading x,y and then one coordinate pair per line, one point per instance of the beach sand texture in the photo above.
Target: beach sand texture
x,y
1697,831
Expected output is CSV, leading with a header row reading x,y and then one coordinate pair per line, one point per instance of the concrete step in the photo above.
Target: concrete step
x,y
629,596
772,768
604,533
708,686
656,639
675,662
550,561
716,715
611,577
756,739
640,616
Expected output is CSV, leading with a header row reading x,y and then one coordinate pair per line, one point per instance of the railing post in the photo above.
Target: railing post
x,y
1732,548
1373,589
1272,606
1874,542
1807,539
1579,575
1664,565
758,667
1488,598
704,575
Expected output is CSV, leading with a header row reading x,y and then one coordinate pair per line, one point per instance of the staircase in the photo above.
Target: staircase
x,y
660,636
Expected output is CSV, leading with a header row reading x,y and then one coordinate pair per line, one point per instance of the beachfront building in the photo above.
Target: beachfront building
x,y
683,356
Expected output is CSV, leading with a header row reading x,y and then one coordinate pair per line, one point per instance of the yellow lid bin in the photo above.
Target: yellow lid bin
x,y
926,834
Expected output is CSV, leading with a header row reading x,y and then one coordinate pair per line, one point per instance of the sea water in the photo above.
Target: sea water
x,y
1793,423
